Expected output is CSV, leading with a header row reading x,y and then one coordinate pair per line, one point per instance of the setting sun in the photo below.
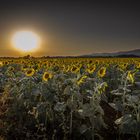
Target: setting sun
x,y
26,41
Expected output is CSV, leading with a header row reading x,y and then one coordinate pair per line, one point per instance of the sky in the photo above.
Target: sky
x,y
71,27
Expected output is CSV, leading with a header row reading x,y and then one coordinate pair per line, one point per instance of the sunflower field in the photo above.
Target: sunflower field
x,y
70,99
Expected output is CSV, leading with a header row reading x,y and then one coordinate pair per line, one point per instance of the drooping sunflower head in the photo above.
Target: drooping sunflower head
x,y
81,79
130,76
47,76
30,72
102,72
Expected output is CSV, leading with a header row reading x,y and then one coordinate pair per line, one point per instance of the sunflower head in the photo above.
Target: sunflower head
x,y
90,62
47,76
6,63
1,63
130,76
102,72
91,69
75,69
11,68
67,69
81,79
123,66
137,65
30,72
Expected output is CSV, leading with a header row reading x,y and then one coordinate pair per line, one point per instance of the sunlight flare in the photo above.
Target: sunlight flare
x,y
26,41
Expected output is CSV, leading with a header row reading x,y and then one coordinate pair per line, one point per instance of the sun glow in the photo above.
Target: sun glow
x,y
26,41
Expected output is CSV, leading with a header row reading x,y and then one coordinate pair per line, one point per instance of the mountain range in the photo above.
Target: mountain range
x,y
135,53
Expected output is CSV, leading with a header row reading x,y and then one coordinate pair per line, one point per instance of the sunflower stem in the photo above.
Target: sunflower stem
x,y
71,116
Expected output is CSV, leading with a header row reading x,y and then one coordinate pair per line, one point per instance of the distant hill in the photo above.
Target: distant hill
x,y
131,53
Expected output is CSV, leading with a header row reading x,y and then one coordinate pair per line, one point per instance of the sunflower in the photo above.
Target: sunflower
x,y
6,63
30,72
102,87
65,69
102,72
137,65
75,69
130,76
91,69
11,68
47,76
123,66
81,79
1,63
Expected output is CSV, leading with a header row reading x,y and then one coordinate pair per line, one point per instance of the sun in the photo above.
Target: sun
x,y
26,41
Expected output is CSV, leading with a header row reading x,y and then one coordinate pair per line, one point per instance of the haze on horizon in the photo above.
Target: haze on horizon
x,y
71,27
